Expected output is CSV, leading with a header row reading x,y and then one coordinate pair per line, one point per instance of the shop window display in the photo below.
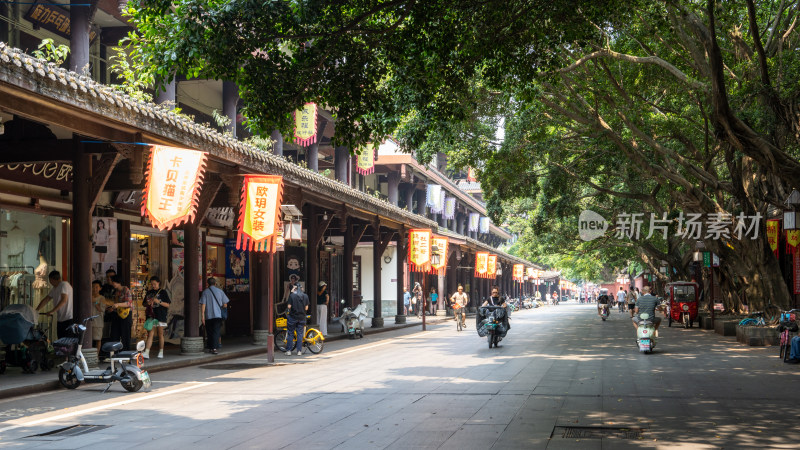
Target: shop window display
x,y
147,260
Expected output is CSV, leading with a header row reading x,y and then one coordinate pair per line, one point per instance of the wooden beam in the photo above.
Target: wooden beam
x,y
322,228
100,175
209,191
33,151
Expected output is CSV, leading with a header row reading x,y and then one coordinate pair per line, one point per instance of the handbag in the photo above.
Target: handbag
x,y
223,311
150,323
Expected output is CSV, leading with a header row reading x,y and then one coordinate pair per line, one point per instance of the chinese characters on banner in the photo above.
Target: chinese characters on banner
x,y
792,241
482,264
258,216
419,250
796,270
773,225
518,271
441,244
491,267
531,272
365,163
305,125
172,189
472,224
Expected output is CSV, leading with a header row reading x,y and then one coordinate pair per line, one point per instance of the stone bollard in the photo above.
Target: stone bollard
x,y
260,337
192,346
377,322
400,318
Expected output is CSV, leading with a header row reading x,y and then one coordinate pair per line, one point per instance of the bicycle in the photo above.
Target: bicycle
x,y
754,319
458,312
788,325
312,339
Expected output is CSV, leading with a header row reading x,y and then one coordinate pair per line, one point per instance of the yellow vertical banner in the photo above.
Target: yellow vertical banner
x,y
419,250
365,163
519,269
441,244
305,125
259,212
481,264
773,225
172,189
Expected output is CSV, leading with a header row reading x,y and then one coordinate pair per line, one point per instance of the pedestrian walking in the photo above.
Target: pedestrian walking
x,y
621,299
416,299
99,308
156,303
434,300
632,300
323,299
212,301
296,310
406,299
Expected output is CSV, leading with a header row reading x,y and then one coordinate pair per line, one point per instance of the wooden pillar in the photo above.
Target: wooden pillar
x,y
271,306
79,38
312,151
230,98
393,187
277,142
341,161
402,239
260,287
191,342
81,238
377,259
421,206
349,249
312,258
410,198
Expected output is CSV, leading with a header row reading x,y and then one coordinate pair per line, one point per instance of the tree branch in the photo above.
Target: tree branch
x,y
762,57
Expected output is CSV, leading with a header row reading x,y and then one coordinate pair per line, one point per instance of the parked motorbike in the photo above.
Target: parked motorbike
x,y
646,334
352,321
604,312
126,367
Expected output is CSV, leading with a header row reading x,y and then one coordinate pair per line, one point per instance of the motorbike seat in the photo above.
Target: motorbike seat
x,y
125,354
109,347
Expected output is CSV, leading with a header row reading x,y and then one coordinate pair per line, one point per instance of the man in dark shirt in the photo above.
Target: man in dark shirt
x,y
602,301
296,310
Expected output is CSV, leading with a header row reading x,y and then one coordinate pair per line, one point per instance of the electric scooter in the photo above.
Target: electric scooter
x,y
604,311
126,367
646,334
352,321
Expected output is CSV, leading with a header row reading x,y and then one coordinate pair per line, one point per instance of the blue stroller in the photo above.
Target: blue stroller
x,y
27,345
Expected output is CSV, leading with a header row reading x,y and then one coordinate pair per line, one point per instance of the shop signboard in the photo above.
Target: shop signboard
x,y
365,164
491,266
305,125
706,259
259,214
54,18
419,250
481,264
172,190
441,244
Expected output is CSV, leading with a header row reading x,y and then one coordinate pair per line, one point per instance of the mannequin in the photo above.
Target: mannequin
x,y
41,274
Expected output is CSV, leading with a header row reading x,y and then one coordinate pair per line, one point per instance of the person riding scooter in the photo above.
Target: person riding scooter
x,y
647,303
603,302
496,300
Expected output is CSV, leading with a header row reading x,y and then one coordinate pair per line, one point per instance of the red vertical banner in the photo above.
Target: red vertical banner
x,y
773,233
172,189
259,212
481,264
419,250
518,271
792,240
796,270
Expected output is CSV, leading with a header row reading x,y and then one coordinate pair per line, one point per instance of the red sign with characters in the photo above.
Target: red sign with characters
x,y
491,267
258,216
173,182
773,227
519,270
481,264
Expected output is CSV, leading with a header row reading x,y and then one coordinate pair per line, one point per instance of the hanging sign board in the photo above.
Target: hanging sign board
x,y
518,271
491,267
305,125
481,264
259,212
419,250
792,240
54,18
173,183
441,243
365,163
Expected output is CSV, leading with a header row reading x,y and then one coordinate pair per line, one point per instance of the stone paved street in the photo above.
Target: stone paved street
x,y
559,367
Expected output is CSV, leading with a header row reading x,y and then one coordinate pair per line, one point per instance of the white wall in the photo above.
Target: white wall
x,y
388,274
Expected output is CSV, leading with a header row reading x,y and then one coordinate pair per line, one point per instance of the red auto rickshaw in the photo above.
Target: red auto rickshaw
x,y
683,302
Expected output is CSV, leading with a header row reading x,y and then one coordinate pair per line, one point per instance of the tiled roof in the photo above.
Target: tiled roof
x,y
55,83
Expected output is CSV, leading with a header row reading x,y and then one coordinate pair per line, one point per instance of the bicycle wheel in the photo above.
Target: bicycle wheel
x,y
280,340
458,322
313,340
747,322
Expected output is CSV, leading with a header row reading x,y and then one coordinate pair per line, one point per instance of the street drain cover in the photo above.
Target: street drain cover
x,y
233,366
74,430
598,432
